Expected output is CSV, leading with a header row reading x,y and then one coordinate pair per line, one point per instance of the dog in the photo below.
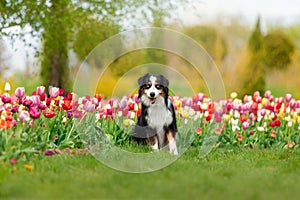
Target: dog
x,y
157,121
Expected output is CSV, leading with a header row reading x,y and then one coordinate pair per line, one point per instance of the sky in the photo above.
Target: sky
x,y
281,11
284,12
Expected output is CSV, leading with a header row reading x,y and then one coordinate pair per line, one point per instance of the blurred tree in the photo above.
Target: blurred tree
x,y
211,39
156,55
278,50
57,22
255,78
3,58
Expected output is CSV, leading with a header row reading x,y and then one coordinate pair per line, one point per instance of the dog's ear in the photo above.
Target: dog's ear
x,y
164,80
166,91
140,92
143,80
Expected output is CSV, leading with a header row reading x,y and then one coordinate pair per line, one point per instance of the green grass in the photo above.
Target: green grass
x,y
224,174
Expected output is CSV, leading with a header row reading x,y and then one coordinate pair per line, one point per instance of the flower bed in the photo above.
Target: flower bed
x,y
45,120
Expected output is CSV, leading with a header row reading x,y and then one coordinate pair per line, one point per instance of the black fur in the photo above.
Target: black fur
x,y
142,130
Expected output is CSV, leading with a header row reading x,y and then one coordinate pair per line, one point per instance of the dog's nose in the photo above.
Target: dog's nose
x,y
152,94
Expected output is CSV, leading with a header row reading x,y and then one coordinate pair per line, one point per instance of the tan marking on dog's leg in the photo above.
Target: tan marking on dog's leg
x,y
155,145
172,143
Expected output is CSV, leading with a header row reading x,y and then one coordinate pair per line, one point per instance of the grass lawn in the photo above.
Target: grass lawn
x,y
224,174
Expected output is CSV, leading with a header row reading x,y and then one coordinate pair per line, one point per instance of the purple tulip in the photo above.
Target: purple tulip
x,y
6,99
20,91
14,109
27,102
49,152
70,114
42,106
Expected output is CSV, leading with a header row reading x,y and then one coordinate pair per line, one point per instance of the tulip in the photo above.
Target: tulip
x,y
20,92
13,161
218,131
41,90
7,87
260,128
24,116
27,102
42,106
273,134
49,152
233,95
61,92
98,96
66,105
34,112
54,92
288,98
5,99
240,138
291,144
267,94
199,130
89,107
48,113
35,99
251,132
272,124
245,125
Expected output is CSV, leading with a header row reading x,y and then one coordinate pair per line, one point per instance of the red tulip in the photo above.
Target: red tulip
x,y
48,113
67,105
13,161
61,92
277,122
272,124
98,96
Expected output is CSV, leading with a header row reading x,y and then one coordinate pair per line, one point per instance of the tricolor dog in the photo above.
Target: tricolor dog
x,y
157,121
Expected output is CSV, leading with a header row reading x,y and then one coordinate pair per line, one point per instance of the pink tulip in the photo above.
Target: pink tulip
x,y
35,99
89,107
288,98
245,125
41,90
24,116
20,92
268,94
54,92
34,112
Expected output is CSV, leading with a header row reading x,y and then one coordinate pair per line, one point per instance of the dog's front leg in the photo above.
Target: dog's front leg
x,y
153,142
172,143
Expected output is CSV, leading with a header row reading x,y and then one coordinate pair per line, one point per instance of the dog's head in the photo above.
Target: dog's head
x,y
153,89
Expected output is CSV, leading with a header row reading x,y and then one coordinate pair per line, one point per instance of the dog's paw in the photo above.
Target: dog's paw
x,y
173,148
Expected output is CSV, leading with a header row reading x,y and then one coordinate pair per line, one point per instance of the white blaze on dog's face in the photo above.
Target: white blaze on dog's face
x,y
153,92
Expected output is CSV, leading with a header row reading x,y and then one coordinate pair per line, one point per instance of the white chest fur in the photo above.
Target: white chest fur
x,y
158,117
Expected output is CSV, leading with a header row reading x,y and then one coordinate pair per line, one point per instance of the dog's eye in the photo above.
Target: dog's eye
x,y
148,86
159,87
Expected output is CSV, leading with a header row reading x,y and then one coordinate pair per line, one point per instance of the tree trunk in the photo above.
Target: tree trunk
x,y
55,48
